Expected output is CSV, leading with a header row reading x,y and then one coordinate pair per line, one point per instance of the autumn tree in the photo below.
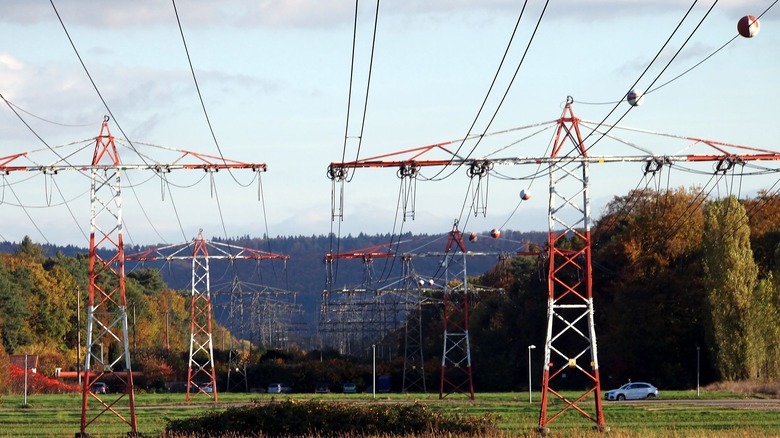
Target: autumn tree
x,y
731,277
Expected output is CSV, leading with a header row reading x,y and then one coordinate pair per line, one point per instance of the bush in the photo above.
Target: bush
x,y
37,383
295,418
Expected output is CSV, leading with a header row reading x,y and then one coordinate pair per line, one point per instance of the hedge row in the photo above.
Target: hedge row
x,y
298,418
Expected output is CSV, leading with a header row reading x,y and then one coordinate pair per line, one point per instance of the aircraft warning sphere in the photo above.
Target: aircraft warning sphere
x,y
472,237
748,26
635,97
495,233
525,195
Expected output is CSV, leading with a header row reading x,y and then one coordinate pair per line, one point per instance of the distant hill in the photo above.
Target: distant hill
x,y
305,271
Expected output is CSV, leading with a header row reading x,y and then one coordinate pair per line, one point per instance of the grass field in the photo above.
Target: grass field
x,y
678,414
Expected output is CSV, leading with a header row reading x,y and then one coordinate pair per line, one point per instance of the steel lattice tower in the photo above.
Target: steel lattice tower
x,y
570,344
414,362
201,342
107,306
237,360
201,357
456,372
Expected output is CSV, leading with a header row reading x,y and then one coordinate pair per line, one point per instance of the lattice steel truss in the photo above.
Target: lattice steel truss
x,y
570,341
238,359
414,361
456,372
261,315
570,346
354,319
200,369
107,306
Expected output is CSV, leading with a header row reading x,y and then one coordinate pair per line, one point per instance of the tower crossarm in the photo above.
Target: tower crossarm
x,y
218,251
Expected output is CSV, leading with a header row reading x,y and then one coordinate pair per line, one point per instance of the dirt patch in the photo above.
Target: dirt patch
x,y
750,404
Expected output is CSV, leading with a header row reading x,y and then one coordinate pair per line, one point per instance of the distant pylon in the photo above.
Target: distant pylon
x,y
236,372
201,362
456,372
414,362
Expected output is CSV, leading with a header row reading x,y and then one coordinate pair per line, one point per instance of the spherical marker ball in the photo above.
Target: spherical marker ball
x,y
748,26
495,233
525,195
473,237
635,97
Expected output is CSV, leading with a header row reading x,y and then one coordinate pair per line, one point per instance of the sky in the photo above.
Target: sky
x,y
274,76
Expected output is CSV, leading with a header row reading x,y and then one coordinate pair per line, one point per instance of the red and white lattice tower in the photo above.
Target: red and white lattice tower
x,y
107,347
201,374
200,370
456,355
570,353
107,305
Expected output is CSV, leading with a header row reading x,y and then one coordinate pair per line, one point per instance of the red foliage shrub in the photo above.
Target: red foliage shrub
x,y
37,383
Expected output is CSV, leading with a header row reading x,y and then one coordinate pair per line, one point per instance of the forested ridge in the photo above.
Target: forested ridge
x,y
672,273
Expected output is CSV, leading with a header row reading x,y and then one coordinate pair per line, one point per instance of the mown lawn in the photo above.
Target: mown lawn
x,y
59,415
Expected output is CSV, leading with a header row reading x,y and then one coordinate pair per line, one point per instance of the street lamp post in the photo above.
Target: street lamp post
x,y
530,347
697,371
373,387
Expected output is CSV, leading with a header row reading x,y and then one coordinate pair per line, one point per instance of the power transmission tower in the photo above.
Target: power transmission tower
x,y
201,354
107,307
353,319
571,332
201,361
570,289
107,342
456,372
237,361
414,361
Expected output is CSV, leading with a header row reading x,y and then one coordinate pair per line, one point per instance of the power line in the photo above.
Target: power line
x,y
492,84
91,80
655,58
28,214
368,86
67,125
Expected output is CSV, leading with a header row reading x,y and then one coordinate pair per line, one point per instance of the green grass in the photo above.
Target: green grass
x,y
59,415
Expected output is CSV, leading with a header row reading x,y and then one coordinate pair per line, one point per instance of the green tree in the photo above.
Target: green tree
x,y
764,328
15,328
731,276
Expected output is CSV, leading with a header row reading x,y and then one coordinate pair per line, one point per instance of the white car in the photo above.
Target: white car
x,y
632,391
279,388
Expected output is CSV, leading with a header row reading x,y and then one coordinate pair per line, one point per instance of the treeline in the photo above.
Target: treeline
x,y
43,307
674,277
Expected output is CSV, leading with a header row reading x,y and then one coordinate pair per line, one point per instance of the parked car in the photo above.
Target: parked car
x,y
279,388
207,387
632,391
384,384
322,388
349,388
99,388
